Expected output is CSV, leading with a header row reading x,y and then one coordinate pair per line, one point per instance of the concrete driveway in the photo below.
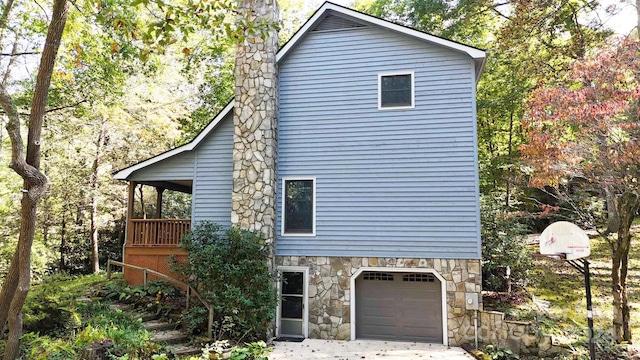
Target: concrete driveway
x,y
364,349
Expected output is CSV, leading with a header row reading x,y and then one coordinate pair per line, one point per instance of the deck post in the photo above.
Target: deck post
x,y
130,204
128,230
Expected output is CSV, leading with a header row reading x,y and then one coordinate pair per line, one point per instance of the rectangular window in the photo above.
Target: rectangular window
x,y
395,91
298,208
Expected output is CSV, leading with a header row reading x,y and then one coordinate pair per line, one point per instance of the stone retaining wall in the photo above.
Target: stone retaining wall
x,y
519,336
329,291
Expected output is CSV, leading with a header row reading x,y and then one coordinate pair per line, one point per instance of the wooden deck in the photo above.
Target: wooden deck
x,y
150,243
157,232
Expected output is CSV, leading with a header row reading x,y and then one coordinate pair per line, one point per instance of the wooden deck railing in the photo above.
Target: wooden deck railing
x,y
158,232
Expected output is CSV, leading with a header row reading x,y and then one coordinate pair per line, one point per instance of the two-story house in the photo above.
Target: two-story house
x,y
365,175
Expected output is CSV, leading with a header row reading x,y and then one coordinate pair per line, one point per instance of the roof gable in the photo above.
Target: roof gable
x,y
339,15
329,17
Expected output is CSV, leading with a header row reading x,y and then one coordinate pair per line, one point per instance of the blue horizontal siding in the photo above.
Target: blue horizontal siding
x,y
391,183
214,176
178,167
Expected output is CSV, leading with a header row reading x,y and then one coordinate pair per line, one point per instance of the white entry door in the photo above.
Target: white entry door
x,y
291,309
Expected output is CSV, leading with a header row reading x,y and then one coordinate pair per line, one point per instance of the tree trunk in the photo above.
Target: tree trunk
x,y
8,288
613,217
35,183
507,198
4,18
638,17
94,182
27,233
627,206
14,50
144,211
3,27
63,243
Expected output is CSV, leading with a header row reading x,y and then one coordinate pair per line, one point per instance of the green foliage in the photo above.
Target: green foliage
x,y
251,351
60,327
502,245
51,307
449,19
606,348
195,318
230,269
38,347
128,336
160,296
498,353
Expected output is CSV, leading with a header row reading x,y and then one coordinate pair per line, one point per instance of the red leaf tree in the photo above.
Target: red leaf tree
x,y
586,129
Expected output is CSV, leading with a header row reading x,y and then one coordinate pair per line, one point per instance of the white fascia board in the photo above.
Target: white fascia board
x,y
125,173
474,53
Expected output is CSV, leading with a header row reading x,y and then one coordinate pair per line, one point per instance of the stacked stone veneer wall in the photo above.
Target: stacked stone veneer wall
x,y
255,120
330,291
521,337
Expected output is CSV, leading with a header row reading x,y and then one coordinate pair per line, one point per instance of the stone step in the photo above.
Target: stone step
x,y
121,307
183,350
169,336
158,325
144,316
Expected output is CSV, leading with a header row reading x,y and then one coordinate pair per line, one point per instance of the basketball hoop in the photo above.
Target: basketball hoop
x,y
566,241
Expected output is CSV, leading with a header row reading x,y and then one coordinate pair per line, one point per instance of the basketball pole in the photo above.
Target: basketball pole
x,y
584,269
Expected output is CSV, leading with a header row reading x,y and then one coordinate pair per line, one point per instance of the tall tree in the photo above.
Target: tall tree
x,y
584,134
144,28
16,286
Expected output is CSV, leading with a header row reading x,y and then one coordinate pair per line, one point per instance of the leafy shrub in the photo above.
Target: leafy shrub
x,y
38,347
60,327
195,318
115,289
160,296
499,353
128,335
502,247
251,351
230,269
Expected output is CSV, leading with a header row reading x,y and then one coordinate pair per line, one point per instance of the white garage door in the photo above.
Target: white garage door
x,y
398,306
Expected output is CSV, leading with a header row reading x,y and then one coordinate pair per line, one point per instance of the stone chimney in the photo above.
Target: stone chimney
x,y
255,121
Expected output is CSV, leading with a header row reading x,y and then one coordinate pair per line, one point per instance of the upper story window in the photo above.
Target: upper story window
x,y
298,206
395,90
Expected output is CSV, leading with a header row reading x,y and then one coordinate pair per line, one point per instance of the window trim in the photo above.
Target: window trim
x,y
413,90
313,225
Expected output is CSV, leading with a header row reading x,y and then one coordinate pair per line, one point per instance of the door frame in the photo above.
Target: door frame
x,y
305,297
443,291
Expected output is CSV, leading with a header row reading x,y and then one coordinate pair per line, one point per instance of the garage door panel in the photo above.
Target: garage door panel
x,y
398,306
380,332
